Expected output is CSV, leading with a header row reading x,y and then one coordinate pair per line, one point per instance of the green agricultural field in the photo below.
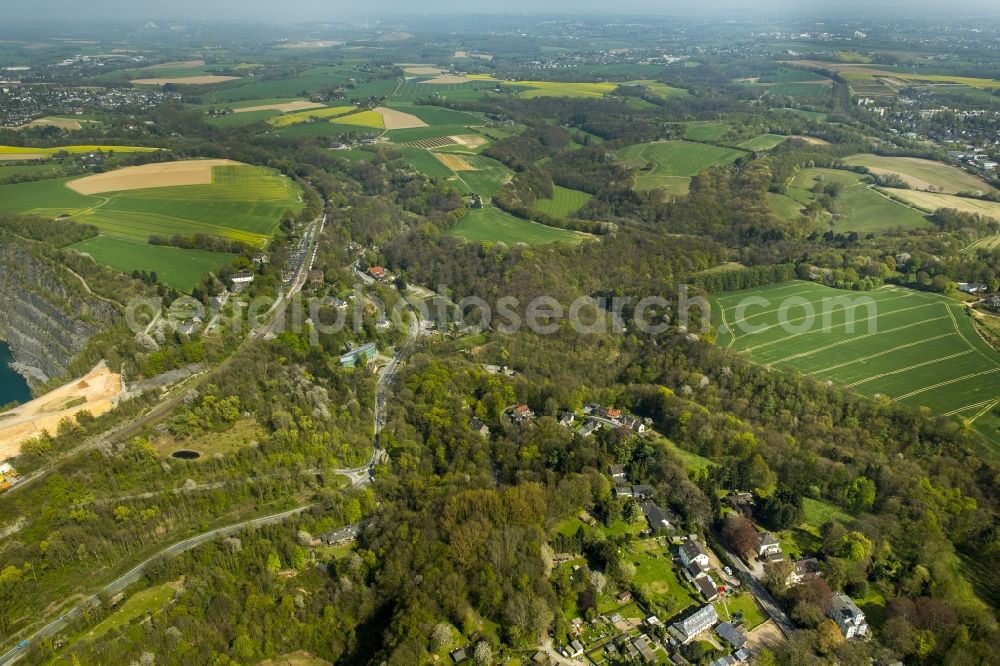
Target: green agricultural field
x,y
492,224
531,89
425,162
409,91
311,80
859,207
487,178
376,89
923,174
324,129
671,164
792,75
430,132
812,91
705,131
808,115
437,115
564,202
179,268
659,89
242,119
912,347
243,203
50,169
763,142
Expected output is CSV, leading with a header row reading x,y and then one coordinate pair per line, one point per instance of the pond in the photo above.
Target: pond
x,y
12,385
184,454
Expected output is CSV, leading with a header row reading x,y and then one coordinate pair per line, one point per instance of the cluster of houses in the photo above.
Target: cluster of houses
x,y
596,416
972,287
658,519
975,159
701,620
849,618
654,637
697,568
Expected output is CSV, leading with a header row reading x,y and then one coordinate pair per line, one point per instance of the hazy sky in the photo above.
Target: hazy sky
x,y
298,11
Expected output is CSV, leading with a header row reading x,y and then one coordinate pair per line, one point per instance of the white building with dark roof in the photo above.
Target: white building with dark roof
x,y
848,616
692,551
701,620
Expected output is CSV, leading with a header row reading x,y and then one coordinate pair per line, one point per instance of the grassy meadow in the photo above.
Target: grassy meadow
x,y
179,268
564,202
671,164
858,207
923,174
494,225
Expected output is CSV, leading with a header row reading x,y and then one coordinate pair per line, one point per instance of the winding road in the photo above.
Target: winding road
x,y
135,573
358,475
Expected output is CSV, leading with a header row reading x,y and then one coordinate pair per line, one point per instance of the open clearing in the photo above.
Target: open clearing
x,y
167,174
142,602
204,79
916,348
564,202
394,119
96,392
701,130
454,162
923,174
763,142
671,164
241,202
931,201
179,268
492,224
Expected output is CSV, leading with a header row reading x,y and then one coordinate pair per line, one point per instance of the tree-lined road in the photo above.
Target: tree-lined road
x,y
135,573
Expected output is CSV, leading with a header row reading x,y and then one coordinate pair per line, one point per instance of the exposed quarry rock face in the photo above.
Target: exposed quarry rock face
x,y
46,315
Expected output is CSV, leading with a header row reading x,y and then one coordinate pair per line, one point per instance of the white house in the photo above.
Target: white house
x,y
241,278
692,551
768,548
701,620
848,616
